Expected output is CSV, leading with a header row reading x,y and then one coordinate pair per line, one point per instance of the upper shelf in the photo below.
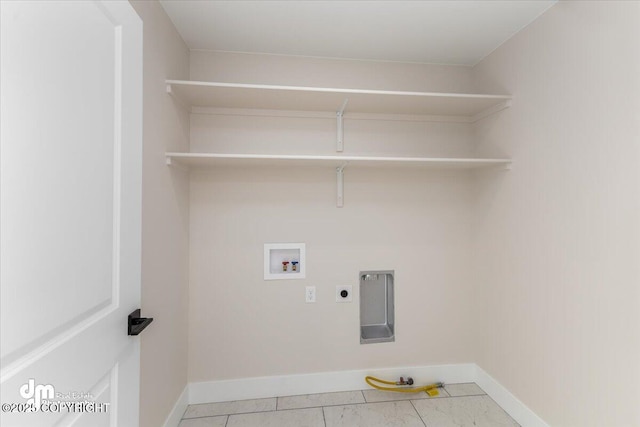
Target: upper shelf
x,y
268,97
216,159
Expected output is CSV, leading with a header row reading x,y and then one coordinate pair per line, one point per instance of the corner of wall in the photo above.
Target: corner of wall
x,y
557,239
165,225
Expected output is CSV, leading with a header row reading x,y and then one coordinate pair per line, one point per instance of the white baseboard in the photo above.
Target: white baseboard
x,y
326,382
174,417
511,404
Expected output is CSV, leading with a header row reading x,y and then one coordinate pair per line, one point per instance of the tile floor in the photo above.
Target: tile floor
x,y
459,405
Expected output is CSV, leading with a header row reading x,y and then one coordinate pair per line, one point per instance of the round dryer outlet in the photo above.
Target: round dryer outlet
x,y
344,293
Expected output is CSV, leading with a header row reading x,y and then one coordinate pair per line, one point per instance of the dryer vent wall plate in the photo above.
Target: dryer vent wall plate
x,y
377,320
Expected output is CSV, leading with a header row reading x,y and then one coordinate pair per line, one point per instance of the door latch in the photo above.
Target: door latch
x,y
137,323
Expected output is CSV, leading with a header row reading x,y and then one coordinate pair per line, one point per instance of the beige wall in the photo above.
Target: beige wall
x,y
307,71
534,274
413,221
165,225
558,242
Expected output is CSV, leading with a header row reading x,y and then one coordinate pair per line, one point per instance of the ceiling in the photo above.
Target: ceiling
x,y
438,32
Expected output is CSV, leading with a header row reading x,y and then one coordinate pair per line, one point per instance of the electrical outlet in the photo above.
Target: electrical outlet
x,y
310,294
344,293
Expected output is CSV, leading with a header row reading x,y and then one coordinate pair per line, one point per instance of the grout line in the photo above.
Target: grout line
x,y
256,412
334,405
448,396
508,415
367,403
483,393
442,396
228,414
470,395
253,412
326,406
221,415
185,411
419,416
313,394
322,408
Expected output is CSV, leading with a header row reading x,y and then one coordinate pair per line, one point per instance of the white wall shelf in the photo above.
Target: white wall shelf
x,y
215,159
337,162
457,107
465,107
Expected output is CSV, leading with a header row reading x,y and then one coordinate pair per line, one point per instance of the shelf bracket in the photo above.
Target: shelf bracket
x,y
339,115
340,181
175,164
491,110
176,98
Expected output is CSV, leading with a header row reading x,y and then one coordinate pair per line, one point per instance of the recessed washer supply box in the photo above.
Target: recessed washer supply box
x,y
284,261
377,320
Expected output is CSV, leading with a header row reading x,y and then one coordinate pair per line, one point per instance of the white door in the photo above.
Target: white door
x,y
70,196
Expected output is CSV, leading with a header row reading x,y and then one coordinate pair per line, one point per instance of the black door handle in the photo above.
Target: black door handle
x,y
137,323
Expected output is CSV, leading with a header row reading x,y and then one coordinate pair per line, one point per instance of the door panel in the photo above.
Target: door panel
x,y
68,154
71,82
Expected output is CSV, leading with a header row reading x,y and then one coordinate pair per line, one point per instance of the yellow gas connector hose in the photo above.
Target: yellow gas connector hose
x,y
430,389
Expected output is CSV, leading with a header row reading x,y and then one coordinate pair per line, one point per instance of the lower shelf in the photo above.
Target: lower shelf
x,y
215,159
337,162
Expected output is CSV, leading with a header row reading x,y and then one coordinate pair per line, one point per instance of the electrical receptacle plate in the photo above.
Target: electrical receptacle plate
x,y
310,294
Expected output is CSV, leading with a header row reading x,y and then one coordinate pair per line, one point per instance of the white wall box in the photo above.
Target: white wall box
x,y
284,261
